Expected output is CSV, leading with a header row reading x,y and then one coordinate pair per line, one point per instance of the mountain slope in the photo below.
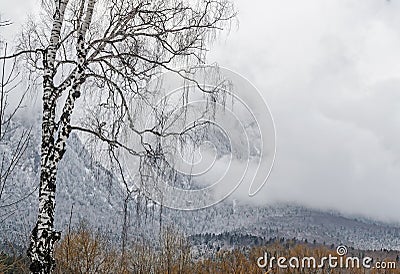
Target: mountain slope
x,y
82,183
97,197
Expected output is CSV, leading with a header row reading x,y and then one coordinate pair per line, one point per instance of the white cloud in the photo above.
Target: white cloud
x,y
330,71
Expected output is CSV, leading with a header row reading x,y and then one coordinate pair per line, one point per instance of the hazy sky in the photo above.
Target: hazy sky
x,y
330,71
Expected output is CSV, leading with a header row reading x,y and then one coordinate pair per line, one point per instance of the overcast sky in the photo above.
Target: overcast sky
x,y
330,72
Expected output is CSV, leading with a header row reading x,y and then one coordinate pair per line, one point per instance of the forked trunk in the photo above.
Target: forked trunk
x,y
54,138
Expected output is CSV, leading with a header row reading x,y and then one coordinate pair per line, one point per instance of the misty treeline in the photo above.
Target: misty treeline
x,y
92,62
85,250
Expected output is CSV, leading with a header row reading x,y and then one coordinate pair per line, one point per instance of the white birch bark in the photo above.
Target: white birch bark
x,y
43,235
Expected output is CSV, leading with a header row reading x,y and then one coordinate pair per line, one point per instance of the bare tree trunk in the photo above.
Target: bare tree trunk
x,y
125,231
43,235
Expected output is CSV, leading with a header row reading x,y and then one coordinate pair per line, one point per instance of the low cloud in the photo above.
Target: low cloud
x,y
330,71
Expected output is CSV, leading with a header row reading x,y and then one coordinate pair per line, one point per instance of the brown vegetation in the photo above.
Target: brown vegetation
x,y
84,251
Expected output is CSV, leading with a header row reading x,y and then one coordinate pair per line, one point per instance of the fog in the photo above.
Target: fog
x,y
330,72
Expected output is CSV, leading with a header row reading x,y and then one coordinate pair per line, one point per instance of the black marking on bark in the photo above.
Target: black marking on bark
x,y
35,267
76,94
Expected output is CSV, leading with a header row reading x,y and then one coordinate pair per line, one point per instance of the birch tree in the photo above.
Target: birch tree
x,y
104,53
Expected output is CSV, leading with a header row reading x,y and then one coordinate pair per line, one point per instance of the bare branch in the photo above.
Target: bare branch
x,y
15,55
